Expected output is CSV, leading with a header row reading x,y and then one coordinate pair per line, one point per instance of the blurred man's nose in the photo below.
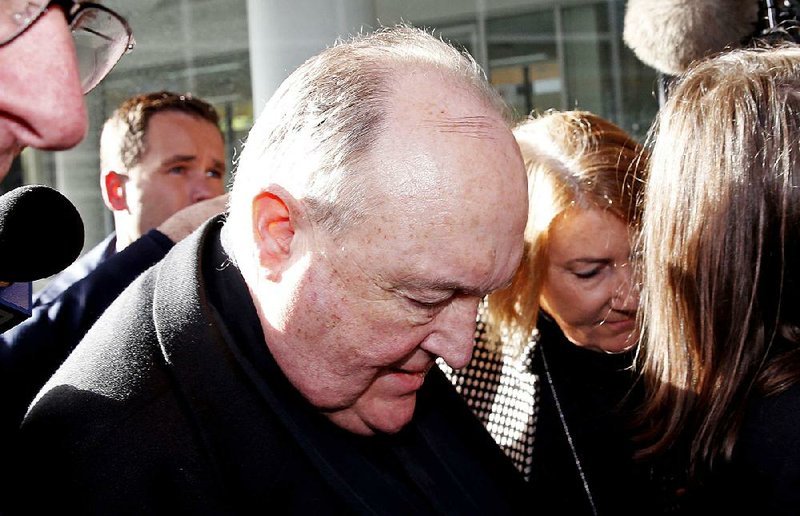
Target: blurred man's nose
x,y
454,336
42,94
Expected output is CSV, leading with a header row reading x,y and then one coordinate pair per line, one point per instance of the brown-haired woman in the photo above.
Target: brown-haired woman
x,y
721,235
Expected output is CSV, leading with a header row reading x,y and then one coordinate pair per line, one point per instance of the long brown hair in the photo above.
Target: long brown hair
x,y
720,233
573,159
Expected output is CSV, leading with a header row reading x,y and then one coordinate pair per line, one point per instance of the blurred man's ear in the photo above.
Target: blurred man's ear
x,y
274,231
113,186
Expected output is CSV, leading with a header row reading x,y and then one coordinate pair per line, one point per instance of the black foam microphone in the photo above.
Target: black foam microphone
x,y
41,233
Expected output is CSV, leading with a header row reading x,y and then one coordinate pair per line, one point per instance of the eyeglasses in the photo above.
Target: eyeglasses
x,y
101,36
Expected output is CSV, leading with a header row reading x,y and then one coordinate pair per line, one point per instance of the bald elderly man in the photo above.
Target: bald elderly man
x,y
281,359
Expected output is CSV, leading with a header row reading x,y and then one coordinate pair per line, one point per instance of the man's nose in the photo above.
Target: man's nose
x,y
205,187
453,337
43,95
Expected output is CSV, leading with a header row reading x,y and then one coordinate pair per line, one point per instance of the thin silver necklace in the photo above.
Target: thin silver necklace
x,y
566,431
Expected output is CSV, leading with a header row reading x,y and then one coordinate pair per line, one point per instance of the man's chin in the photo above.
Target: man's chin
x,y
391,417
379,417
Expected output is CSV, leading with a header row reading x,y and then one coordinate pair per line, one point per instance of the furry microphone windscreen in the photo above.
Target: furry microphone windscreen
x,y
670,34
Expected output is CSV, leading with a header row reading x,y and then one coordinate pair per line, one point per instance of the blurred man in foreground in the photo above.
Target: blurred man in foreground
x,y
50,56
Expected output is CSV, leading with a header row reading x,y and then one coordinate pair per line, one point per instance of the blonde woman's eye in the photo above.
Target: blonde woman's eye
x,y
589,273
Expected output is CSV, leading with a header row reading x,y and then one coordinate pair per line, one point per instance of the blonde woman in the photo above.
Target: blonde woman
x,y
551,367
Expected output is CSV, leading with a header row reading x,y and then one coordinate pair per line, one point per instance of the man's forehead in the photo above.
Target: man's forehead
x,y
446,162
436,95
456,142
479,126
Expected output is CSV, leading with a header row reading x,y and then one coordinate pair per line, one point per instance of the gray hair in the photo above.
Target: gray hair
x,y
315,134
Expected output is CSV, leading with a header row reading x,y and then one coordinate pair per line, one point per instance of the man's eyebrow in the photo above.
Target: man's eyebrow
x,y
470,126
443,285
177,158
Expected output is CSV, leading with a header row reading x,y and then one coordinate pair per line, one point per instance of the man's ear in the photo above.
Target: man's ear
x,y
274,229
113,186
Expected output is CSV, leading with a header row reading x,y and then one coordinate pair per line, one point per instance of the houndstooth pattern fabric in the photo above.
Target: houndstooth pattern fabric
x,y
501,390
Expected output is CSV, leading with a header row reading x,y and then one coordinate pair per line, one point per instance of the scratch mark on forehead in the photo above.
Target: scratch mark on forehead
x,y
478,127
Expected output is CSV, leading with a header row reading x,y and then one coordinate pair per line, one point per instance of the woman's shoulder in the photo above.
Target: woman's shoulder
x,y
772,421
767,453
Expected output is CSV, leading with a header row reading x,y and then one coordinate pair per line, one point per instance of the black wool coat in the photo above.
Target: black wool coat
x,y
172,404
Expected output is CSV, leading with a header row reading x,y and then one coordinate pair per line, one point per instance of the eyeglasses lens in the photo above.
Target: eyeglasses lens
x,y
101,39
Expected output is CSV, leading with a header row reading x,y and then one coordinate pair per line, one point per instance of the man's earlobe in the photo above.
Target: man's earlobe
x,y
274,231
114,191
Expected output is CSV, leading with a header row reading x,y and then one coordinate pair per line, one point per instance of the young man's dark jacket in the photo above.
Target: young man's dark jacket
x,y
61,315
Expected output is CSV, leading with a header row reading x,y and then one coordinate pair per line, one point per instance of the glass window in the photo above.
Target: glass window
x,y
524,61
567,57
